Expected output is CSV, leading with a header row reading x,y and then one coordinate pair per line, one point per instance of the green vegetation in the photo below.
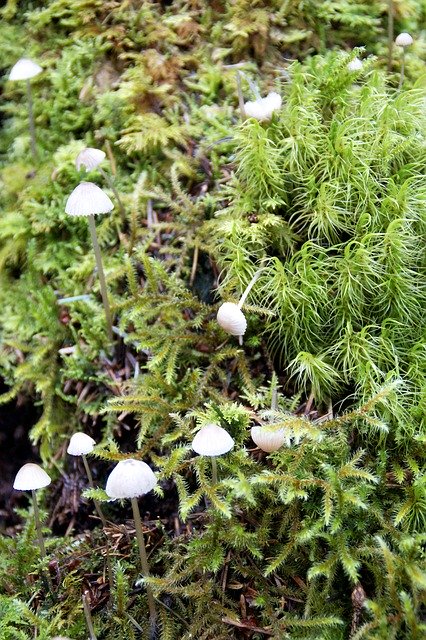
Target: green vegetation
x,y
323,538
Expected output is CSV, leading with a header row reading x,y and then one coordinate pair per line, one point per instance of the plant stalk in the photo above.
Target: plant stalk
x,y
214,470
390,34
40,538
240,96
143,558
101,274
88,616
249,288
401,77
31,122
110,183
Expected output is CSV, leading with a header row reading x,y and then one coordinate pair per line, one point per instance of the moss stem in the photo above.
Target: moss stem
x,y
390,34
31,122
101,274
143,558
88,616
240,96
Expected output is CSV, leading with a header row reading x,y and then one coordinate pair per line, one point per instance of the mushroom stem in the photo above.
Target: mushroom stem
x,y
40,537
31,122
401,77
104,523
143,558
92,486
88,616
110,183
240,96
249,288
214,470
101,274
390,33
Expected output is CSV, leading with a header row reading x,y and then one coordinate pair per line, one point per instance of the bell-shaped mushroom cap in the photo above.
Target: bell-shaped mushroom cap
x,y
88,199
212,440
263,108
130,479
355,65
30,477
80,444
404,40
268,440
232,319
89,158
24,69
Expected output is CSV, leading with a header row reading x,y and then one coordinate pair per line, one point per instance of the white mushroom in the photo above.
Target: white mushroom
x,y
25,69
80,444
89,158
404,40
263,108
88,199
211,440
31,477
355,65
268,440
232,319
129,480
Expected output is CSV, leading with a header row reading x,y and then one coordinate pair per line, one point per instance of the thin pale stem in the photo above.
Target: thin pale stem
x,y
240,96
143,558
214,470
390,33
88,616
194,265
249,288
31,122
274,399
309,404
40,537
401,77
101,274
111,185
104,524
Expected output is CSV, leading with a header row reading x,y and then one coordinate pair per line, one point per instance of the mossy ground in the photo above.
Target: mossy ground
x,y
323,539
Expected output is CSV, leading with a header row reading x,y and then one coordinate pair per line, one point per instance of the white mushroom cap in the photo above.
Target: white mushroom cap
x,y
80,444
89,158
263,108
355,65
268,440
30,477
24,69
88,199
212,440
130,479
404,40
232,319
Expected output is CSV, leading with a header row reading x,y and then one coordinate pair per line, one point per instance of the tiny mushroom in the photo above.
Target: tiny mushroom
x,y
268,440
25,69
129,480
212,440
231,318
80,445
403,40
91,158
263,108
355,65
88,200
31,477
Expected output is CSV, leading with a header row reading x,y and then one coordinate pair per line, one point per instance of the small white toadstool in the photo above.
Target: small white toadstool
x,y
355,65
268,440
90,158
88,200
25,69
129,480
31,477
80,444
404,40
212,440
232,319
263,108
